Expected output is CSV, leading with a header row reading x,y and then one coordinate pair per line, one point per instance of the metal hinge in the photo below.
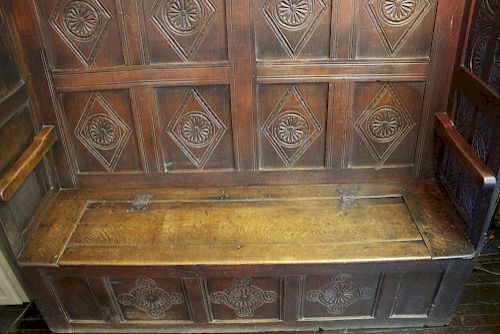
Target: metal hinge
x,y
141,202
348,197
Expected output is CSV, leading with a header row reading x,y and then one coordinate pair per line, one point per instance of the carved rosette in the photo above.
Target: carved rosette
x,y
396,19
82,24
397,11
147,297
196,128
293,21
291,127
339,294
383,126
243,297
183,23
103,133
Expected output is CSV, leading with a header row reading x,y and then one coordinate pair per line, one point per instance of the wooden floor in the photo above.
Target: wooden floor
x,y
478,313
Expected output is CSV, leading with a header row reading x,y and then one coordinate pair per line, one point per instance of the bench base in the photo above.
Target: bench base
x,y
248,259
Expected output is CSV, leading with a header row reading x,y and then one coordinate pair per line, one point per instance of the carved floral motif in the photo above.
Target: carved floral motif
x,y
293,21
339,294
183,23
147,297
196,129
183,16
291,129
243,297
82,25
385,123
293,14
102,131
398,11
81,19
395,20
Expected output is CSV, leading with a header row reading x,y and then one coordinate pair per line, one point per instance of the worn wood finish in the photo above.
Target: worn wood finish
x,y
195,135
244,68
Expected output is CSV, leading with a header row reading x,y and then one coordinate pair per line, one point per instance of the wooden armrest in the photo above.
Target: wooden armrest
x,y
455,141
17,174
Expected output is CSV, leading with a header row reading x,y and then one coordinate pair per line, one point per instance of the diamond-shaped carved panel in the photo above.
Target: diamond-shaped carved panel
x,y
196,128
183,23
81,24
291,127
384,124
102,132
395,20
293,21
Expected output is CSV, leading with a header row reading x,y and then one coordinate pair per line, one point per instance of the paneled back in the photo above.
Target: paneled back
x,y
193,92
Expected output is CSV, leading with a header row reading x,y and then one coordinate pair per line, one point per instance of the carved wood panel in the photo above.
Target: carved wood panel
x,y
340,295
394,28
82,33
195,127
183,30
104,131
292,125
148,299
243,298
220,86
292,29
384,124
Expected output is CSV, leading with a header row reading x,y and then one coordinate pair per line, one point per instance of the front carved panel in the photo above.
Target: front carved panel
x,y
342,294
147,299
243,298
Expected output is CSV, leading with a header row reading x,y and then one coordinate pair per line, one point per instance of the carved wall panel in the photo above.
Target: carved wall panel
x,y
340,295
81,33
243,298
103,130
292,125
385,120
292,29
148,299
195,127
184,30
394,28
484,19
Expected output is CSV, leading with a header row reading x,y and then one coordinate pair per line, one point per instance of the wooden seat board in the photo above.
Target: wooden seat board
x,y
182,226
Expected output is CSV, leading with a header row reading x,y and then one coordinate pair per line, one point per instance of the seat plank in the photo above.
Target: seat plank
x,y
265,225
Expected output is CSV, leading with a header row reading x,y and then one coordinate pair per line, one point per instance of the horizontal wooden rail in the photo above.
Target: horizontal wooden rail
x,y
455,141
478,92
17,174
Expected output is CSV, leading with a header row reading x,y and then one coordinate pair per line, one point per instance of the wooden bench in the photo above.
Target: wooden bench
x,y
247,166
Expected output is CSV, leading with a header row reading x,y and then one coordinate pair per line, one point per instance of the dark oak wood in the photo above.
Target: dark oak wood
x,y
250,165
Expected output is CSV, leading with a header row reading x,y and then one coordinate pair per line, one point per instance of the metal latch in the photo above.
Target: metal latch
x,y
348,197
141,202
